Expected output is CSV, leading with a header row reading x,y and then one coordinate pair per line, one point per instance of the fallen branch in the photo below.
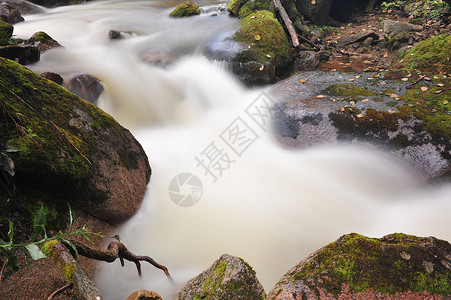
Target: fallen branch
x,y
309,42
3,268
418,80
117,250
287,22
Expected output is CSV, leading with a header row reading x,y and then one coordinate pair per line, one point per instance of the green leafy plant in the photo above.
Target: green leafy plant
x,y
39,229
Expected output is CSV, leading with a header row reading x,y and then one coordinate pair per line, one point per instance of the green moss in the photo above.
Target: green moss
x,y
41,36
364,263
430,55
346,90
266,39
6,32
47,248
234,6
252,6
68,269
185,9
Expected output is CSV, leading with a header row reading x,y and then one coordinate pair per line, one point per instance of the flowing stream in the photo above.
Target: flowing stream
x,y
269,205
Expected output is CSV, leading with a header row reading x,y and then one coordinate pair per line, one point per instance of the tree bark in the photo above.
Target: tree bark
x,y
287,22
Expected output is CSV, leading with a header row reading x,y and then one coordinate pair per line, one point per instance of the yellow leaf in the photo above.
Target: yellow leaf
x,y
257,37
351,79
320,96
405,79
262,67
445,102
391,111
301,81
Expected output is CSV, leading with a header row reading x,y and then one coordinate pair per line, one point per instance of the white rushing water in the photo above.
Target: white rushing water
x,y
268,205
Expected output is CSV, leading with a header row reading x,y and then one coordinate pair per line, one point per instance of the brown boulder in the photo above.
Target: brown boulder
x,y
144,295
86,87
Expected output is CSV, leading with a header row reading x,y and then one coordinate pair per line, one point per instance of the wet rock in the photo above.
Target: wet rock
x,y
266,51
185,9
81,154
397,266
255,5
86,87
24,7
368,41
120,35
53,77
228,278
24,55
42,41
9,14
158,57
144,295
55,3
359,37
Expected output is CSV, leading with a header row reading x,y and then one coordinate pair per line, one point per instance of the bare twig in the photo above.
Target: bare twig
x,y
1,273
418,80
60,290
309,42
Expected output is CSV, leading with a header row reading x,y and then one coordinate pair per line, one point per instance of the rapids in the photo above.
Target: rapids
x,y
269,205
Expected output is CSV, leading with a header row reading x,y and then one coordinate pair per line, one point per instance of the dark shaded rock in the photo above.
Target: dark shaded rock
x,y
70,148
310,60
397,266
158,57
185,9
55,3
42,41
24,7
6,32
359,37
144,295
368,41
252,6
266,51
228,278
24,55
315,11
86,87
53,77
9,14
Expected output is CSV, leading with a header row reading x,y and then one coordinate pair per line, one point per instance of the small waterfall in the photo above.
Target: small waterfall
x,y
268,205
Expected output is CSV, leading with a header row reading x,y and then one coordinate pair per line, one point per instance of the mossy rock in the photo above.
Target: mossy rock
x,y
252,6
361,267
185,9
264,43
346,90
228,278
429,56
69,147
6,32
234,6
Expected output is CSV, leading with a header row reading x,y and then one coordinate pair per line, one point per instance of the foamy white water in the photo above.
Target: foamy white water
x,y
270,206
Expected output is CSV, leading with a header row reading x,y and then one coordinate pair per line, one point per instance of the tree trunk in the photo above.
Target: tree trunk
x,y
287,22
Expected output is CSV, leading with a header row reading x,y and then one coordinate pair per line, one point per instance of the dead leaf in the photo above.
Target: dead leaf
x,y
302,81
405,79
424,88
391,110
352,103
253,17
440,84
360,115
385,54
320,96
365,100
342,109
313,2
438,91
262,67
351,79
427,78
445,102
393,96
358,76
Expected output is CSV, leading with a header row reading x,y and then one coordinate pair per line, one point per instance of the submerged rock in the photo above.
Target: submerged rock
x,y
229,278
185,9
397,266
42,41
86,87
69,148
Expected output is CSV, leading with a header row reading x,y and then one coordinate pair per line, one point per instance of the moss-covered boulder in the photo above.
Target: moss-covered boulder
x,y
430,56
252,6
185,9
234,6
315,11
229,278
42,41
68,147
397,266
6,32
266,52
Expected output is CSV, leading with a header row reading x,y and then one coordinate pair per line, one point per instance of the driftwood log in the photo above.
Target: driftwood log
x,y
64,255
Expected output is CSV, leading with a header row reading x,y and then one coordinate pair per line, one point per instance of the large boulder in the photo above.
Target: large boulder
x,y
411,122
10,14
69,148
185,9
316,11
25,7
266,52
6,32
229,278
397,266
